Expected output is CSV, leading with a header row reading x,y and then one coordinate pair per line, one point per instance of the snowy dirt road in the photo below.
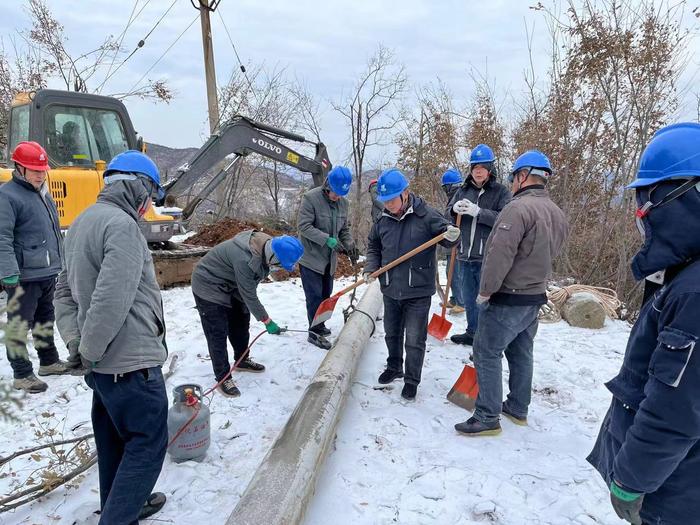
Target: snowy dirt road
x,y
393,461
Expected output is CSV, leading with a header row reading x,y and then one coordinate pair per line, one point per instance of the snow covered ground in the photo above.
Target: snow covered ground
x,y
393,462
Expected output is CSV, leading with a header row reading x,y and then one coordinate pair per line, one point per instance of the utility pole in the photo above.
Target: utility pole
x,y
205,7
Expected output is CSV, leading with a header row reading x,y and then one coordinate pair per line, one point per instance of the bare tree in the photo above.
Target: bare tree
x,y
371,114
615,67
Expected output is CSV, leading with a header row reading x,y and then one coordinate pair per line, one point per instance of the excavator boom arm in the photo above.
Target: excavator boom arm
x,y
242,136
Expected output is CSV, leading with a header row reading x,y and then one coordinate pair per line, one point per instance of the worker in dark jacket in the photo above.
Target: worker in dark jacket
x,y
224,284
648,449
478,201
528,235
324,230
109,308
30,259
407,222
451,181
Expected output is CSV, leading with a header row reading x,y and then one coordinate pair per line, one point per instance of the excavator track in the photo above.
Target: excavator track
x,y
174,262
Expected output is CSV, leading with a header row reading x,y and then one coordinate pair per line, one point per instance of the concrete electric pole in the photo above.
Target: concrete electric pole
x,y
206,7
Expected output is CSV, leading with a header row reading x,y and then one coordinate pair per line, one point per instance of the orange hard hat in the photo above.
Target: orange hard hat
x,y
31,155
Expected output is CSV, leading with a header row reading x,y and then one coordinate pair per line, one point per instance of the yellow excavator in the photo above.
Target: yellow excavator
x,y
81,133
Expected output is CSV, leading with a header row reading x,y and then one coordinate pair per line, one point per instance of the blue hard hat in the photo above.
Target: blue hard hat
x,y
533,159
672,153
451,176
391,183
288,250
339,180
481,154
132,161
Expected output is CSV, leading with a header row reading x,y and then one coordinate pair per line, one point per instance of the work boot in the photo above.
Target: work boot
x,y
58,368
30,384
388,376
474,427
457,310
449,305
229,388
409,391
318,340
248,365
463,339
518,420
321,329
153,504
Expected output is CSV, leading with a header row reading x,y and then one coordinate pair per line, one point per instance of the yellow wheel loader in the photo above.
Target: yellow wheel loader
x,y
82,132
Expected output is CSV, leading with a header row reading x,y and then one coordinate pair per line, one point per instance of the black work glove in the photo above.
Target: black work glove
x,y
87,365
353,254
627,505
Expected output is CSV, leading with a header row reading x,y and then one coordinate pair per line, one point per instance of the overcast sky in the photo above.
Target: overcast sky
x,y
326,43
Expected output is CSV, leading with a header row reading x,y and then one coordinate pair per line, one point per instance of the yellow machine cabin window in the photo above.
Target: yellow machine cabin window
x,y
80,136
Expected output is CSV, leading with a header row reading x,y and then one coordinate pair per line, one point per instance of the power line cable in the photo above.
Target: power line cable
x,y
121,37
161,56
141,42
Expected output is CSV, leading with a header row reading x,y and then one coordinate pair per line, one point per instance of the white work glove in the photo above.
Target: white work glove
x,y
452,233
367,276
480,299
466,207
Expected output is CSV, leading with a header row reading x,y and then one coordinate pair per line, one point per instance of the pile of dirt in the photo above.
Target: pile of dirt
x,y
227,228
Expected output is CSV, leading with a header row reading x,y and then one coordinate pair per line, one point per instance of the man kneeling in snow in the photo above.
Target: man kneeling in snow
x,y
224,285
108,307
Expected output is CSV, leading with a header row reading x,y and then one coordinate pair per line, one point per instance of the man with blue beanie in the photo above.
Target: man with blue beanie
x,y
648,448
224,285
324,230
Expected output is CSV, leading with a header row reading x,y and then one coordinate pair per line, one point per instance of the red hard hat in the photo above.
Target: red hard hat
x,y
31,155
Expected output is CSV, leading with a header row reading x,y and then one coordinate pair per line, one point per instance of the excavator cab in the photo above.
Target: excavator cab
x,y
81,133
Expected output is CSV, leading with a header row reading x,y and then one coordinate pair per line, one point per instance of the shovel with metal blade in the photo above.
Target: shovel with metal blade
x,y
465,390
325,309
439,326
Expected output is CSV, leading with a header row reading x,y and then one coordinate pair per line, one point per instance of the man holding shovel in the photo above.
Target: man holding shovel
x,y
528,234
324,230
406,223
478,201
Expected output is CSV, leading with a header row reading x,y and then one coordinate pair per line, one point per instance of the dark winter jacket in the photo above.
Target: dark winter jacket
x,y
234,268
528,235
320,218
107,295
491,198
391,237
650,439
31,243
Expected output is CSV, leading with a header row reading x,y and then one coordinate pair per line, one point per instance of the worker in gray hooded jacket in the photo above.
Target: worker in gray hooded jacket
x,y
224,284
109,312
324,230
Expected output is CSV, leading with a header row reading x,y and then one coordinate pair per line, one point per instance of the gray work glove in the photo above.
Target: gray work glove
x,y
452,233
367,276
73,354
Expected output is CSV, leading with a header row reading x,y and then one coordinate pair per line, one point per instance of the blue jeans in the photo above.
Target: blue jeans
x,y
471,275
456,284
407,317
129,419
510,330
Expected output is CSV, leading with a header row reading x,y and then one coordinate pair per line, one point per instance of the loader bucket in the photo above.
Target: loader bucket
x,y
439,326
465,390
